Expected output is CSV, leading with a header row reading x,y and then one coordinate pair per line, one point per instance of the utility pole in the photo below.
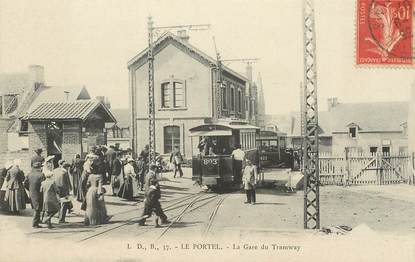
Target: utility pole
x,y
151,104
310,144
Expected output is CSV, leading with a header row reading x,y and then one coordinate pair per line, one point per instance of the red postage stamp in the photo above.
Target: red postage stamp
x,y
384,32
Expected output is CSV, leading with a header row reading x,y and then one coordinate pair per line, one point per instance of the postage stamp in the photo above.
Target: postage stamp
x,y
384,32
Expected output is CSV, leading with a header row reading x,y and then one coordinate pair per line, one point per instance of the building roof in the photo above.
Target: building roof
x,y
169,37
369,117
78,110
14,83
379,116
60,94
122,116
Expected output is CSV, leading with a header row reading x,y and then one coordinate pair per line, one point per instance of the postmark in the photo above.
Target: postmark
x,y
384,35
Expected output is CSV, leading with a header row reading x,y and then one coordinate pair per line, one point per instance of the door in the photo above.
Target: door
x,y
54,138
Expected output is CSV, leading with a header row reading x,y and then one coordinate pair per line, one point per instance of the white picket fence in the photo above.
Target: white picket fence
x,y
360,169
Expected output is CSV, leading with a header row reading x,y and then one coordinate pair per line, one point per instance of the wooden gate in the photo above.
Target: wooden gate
x,y
359,169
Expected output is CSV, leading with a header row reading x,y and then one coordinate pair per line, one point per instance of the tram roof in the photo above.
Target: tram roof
x,y
220,129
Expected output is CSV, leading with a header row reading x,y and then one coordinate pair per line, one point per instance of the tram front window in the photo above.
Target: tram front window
x,y
214,145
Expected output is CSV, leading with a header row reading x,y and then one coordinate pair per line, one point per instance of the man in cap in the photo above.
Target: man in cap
x,y
33,183
152,196
63,184
37,157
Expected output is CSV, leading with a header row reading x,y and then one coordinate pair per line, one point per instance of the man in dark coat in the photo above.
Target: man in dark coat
x,y
115,173
63,184
38,157
33,183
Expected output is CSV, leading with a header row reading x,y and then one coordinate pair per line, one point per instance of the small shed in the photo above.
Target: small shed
x,y
64,129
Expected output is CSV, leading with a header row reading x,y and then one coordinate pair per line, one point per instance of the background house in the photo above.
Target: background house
x,y
119,132
184,98
364,128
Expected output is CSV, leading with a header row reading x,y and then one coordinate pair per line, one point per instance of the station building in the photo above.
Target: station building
x,y
185,97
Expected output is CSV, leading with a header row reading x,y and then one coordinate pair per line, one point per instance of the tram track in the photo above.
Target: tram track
x,y
188,209
171,203
188,203
131,220
213,216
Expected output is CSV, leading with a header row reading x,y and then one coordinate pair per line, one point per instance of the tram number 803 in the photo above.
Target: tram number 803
x,y
210,166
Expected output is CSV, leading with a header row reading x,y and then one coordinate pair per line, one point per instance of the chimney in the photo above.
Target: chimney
x,y
332,102
182,34
36,74
249,72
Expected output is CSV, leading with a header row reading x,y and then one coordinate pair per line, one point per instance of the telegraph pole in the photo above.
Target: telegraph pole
x,y
150,56
310,114
151,105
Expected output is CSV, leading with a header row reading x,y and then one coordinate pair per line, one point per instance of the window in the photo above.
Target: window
x,y
171,138
240,100
165,95
1,105
373,150
24,126
232,98
178,95
352,132
173,94
386,150
224,97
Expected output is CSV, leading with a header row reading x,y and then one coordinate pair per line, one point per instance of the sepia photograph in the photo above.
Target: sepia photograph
x,y
191,130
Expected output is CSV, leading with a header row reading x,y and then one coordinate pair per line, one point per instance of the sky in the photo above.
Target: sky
x,y
89,43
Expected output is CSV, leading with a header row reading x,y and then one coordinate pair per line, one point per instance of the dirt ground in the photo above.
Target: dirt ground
x,y
386,212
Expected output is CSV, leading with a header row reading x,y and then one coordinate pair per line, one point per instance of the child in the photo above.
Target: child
x,y
152,203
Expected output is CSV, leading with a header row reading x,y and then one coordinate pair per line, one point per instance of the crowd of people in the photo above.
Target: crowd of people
x,y
51,190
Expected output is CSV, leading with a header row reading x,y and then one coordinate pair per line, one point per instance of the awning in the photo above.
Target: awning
x,y
212,133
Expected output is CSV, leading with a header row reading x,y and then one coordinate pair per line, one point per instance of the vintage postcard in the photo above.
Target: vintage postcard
x,y
193,130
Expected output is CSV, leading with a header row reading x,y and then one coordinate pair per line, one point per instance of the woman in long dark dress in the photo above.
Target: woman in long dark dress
x,y
76,173
126,189
83,187
3,184
15,195
96,211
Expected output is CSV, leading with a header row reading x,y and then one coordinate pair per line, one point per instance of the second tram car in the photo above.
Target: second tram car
x,y
272,146
213,164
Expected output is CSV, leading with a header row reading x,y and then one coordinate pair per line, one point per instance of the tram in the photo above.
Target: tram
x,y
212,144
272,147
